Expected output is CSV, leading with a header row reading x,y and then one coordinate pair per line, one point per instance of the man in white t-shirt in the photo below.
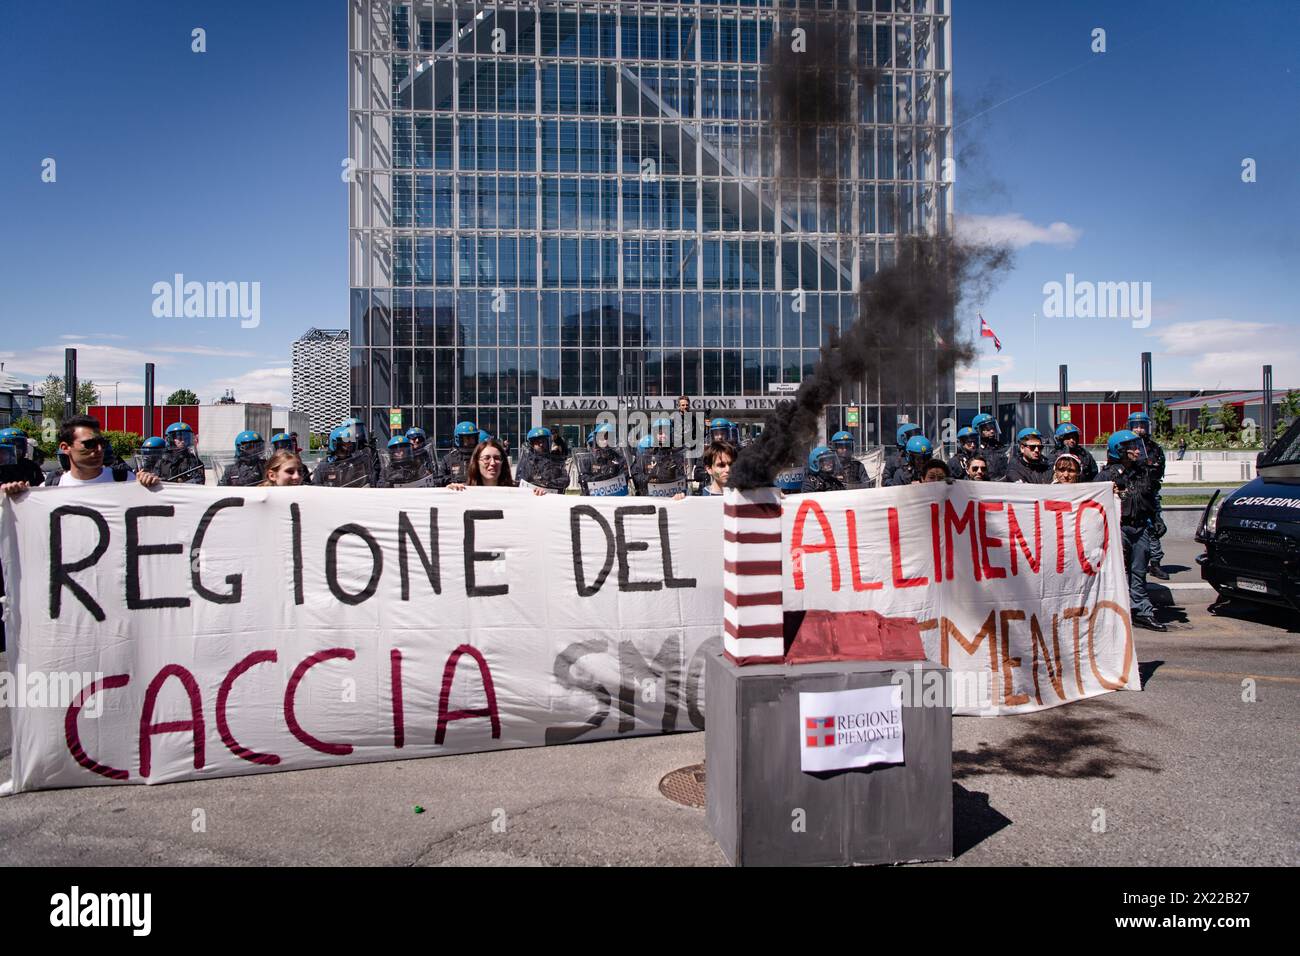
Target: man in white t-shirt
x,y
81,443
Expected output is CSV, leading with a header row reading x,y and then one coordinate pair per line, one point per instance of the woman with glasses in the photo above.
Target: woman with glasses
x,y
488,468
1028,464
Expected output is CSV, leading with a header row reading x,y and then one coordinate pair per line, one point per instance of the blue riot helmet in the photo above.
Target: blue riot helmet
x,y
248,444
1122,444
722,429
152,448
8,453
283,441
399,448
343,441
905,431
539,439
842,442
16,438
986,426
179,435
602,435
644,443
1139,422
1027,433
483,435
919,450
358,427
417,438
661,432
822,459
1066,431
467,435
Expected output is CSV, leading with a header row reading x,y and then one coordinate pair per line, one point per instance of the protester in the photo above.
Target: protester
x,y
977,468
911,468
718,459
1134,480
488,467
84,448
990,443
284,469
180,463
289,442
249,466
1069,441
1028,465
1066,469
936,471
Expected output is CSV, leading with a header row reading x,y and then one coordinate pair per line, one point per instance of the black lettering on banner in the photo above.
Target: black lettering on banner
x,y
694,678
563,671
135,550
332,563
295,522
633,668
405,531
667,552
60,573
575,538
472,556
625,547
236,581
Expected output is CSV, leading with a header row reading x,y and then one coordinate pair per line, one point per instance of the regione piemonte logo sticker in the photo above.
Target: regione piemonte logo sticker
x,y
844,729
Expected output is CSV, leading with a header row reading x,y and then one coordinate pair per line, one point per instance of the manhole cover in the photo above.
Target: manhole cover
x,y
685,786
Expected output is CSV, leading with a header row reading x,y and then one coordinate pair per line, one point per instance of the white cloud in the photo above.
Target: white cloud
x,y
1013,229
1229,353
1200,337
1000,364
271,385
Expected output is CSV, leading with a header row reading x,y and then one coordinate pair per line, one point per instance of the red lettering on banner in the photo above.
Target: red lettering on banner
x,y
1061,509
1016,540
1128,644
73,736
193,726
446,716
395,676
291,691
223,695
934,541
987,541
1055,672
1078,533
1074,614
947,630
855,569
964,523
894,550
826,546
1010,663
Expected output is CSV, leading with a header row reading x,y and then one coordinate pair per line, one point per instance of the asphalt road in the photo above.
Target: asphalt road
x,y
1185,772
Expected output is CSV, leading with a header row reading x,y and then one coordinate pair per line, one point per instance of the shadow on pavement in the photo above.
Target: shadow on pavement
x,y
1269,616
1146,669
973,819
1060,743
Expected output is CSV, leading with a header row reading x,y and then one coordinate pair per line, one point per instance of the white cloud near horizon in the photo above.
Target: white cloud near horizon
x,y
1014,230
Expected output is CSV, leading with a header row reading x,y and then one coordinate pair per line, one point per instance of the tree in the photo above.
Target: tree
x,y
1203,416
1227,418
1288,410
182,396
52,397
1162,418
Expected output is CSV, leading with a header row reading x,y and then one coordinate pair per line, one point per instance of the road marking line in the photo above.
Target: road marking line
x,y
1194,673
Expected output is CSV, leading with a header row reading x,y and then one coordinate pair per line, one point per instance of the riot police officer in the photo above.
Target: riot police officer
x,y
426,464
365,447
897,456
542,463
1027,464
283,441
249,467
149,458
919,451
853,471
401,468
967,442
455,463
179,463
1069,441
602,468
346,466
1135,485
990,443
1140,424
824,471
16,459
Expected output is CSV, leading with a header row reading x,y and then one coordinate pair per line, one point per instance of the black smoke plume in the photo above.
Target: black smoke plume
x,y
809,84
905,317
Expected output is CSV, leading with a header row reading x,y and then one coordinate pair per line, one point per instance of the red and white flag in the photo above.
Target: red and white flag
x,y
988,333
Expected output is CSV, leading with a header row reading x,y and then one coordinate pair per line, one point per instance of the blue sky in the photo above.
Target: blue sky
x,y
1123,166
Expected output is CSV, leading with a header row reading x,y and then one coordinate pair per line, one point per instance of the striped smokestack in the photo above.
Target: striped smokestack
x,y
753,620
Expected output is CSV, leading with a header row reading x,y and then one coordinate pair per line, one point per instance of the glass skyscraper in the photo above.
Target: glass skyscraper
x,y
557,208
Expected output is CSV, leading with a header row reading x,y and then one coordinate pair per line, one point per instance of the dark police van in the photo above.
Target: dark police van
x,y
1252,535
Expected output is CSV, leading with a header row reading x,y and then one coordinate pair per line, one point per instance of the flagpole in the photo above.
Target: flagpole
x,y
1035,369
979,369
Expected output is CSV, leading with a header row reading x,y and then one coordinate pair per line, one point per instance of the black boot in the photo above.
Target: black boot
x,y
1156,571
1149,622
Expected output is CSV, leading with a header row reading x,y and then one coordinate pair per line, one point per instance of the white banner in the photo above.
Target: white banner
x,y
212,631
1020,589
225,631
